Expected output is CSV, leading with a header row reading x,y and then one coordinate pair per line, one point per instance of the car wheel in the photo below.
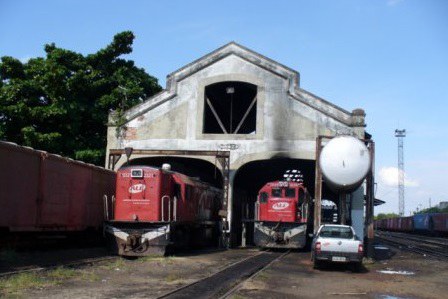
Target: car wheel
x,y
317,264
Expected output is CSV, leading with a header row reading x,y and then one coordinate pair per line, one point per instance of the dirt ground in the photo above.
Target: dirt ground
x,y
294,277
291,277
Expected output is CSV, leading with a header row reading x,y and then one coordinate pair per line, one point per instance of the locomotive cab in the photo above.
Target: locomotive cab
x,y
281,215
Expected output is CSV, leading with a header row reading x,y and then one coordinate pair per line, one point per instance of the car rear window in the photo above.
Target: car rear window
x,y
336,232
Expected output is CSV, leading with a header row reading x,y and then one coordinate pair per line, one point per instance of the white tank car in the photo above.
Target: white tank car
x,y
345,162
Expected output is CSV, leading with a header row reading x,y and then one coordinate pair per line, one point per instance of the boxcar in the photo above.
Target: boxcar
x,y
422,223
405,224
440,223
45,192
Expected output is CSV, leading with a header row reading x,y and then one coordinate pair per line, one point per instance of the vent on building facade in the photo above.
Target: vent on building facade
x,y
230,108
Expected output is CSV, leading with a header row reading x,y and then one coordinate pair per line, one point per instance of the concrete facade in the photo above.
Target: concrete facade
x,y
288,118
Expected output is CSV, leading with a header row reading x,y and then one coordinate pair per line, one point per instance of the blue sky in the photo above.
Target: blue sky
x,y
389,57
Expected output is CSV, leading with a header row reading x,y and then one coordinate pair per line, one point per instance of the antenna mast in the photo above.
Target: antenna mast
x,y
400,134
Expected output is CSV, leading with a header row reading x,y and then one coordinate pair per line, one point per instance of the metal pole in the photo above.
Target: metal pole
x,y
370,198
318,187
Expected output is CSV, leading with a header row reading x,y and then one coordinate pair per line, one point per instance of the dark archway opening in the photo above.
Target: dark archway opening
x,y
252,176
230,107
202,169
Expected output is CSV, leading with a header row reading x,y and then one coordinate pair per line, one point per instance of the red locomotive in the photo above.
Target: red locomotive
x,y
158,208
281,215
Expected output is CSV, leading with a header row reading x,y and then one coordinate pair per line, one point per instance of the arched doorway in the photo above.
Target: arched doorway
x,y
249,179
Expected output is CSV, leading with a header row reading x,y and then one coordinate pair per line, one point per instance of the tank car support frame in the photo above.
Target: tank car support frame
x,y
370,194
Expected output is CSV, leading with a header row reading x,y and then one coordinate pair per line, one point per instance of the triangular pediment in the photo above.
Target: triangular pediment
x,y
291,76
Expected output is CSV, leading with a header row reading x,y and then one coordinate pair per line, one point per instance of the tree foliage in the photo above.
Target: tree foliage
x,y
433,210
386,216
60,103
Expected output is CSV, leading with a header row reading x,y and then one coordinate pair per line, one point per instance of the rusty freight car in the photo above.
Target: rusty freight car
x,y
46,192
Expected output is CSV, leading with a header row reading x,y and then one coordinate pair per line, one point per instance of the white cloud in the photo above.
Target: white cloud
x,y
388,176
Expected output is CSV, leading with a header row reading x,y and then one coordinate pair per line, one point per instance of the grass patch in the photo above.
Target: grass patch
x,y
89,276
262,276
172,277
15,284
61,273
116,264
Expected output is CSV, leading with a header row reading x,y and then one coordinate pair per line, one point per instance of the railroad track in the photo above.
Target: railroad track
x,y
227,281
443,242
415,244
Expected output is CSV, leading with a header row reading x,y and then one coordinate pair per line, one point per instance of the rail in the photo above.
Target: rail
x,y
226,282
414,244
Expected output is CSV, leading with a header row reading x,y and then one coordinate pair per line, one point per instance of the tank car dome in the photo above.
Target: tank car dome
x,y
345,162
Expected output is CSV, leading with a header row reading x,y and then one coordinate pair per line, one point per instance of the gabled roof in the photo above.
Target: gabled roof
x,y
232,48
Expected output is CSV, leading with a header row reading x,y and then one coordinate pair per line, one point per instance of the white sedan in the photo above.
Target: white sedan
x,y
337,243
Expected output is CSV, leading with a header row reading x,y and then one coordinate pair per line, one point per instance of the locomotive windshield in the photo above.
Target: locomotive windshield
x,y
263,197
289,192
276,192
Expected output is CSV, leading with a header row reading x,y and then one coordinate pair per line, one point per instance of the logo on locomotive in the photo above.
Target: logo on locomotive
x,y
137,188
280,205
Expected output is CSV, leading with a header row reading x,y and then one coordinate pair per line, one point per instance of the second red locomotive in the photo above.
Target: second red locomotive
x,y
158,208
282,212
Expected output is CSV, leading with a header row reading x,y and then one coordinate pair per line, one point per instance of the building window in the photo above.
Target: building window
x,y
230,107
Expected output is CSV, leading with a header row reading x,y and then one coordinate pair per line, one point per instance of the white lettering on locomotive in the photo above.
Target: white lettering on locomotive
x,y
137,188
283,184
280,205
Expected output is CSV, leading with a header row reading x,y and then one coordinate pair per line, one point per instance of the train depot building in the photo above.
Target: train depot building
x,y
237,117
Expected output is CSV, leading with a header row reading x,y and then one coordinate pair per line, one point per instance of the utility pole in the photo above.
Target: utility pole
x,y
400,134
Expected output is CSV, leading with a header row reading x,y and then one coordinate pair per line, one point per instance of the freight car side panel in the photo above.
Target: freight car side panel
x,y
44,192
405,224
440,222
103,183
422,222
19,187
66,189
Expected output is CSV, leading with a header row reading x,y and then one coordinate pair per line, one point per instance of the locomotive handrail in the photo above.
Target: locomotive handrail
x,y
112,209
257,211
163,206
175,208
105,207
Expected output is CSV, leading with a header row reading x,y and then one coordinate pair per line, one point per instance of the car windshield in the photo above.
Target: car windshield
x,y
336,232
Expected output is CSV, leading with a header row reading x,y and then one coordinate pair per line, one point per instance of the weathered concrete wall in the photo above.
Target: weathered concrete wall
x,y
287,123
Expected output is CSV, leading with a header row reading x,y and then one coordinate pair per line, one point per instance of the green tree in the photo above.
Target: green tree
x,y
60,103
386,216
